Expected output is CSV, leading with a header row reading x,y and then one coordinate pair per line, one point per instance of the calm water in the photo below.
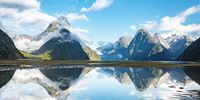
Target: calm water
x,y
33,80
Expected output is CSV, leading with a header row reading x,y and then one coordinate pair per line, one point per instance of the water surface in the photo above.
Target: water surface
x,y
105,80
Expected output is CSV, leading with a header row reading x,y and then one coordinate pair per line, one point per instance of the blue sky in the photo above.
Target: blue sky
x,y
110,23
107,20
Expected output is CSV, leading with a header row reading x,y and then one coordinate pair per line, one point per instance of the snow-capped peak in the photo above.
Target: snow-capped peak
x,y
57,28
63,21
160,39
142,33
178,36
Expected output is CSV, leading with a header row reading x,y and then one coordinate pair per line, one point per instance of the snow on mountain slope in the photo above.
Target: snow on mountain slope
x,y
178,43
161,40
176,36
116,50
101,46
32,43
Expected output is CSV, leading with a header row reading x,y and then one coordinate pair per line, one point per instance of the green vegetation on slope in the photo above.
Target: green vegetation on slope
x,y
44,56
91,53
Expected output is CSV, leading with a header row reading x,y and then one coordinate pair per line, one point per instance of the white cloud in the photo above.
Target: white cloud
x,y
76,16
23,17
98,5
175,23
81,33
133,27
20,4
150,24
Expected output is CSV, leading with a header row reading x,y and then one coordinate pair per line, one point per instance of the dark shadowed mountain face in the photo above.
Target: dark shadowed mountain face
x,y
7,51
145,47
192,53
63,48
7,47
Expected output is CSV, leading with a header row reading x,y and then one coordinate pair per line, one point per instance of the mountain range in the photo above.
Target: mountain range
x,y
57,42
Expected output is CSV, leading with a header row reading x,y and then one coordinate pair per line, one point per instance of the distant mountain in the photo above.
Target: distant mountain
x,y
116,51
178,43
175,42
162,40
145,47
8,51
192,53
102,47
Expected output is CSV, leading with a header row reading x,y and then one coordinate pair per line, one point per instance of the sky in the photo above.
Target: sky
x,y
102,20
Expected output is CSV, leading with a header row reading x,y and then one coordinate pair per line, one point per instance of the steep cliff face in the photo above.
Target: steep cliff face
x,y
192,53
7,47
145,47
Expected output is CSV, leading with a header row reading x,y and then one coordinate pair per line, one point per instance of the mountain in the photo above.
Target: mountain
x,y
116,51
30,44
192,53
145,47
8,51
59,39
63,48
178,43
63,45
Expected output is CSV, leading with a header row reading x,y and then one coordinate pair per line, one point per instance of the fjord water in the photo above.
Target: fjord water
x,y
109,82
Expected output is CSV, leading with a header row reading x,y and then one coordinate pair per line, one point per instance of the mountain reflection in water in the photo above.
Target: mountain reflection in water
x,y
99,83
